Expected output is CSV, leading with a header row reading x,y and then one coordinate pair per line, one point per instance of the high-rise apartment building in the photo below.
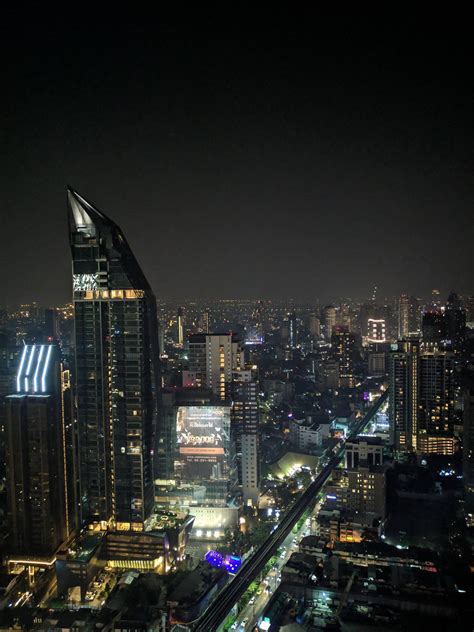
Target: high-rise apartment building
x,y
116,345
244,432
468,442
408,316
422,398
292,330
433,329
343,342
455,318
40,454
329,320
212,358
180,325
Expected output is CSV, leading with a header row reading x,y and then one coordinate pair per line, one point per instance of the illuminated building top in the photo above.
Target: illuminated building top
x,y
34,369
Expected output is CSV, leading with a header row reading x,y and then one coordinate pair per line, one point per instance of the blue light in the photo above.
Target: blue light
x,y
214,558
232,563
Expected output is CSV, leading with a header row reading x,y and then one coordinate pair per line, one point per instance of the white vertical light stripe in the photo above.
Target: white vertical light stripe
x,y
35,377
28,368
22,362
46,362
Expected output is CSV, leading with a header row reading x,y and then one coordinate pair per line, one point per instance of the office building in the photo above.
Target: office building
x,y
212,358
116,342
40,454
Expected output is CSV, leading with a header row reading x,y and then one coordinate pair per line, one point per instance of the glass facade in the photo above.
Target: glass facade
x,y
117,356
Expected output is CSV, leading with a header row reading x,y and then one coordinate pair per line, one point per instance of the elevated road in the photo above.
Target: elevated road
x,y
217,612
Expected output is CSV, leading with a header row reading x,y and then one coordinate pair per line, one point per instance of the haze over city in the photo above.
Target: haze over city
x,y
237,326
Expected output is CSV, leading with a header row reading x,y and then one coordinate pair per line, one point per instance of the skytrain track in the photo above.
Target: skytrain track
x,y
232,592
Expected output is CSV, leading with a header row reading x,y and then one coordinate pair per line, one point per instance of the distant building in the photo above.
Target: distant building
x,y
314,326
329,320
376,363
343,343
408,316
292,331
376,330
180,325
433,329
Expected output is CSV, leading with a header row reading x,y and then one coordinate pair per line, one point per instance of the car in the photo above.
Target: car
x,y
244,622
235,625
252,601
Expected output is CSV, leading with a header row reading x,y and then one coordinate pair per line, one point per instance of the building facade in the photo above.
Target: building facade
x,y
116,343
40,454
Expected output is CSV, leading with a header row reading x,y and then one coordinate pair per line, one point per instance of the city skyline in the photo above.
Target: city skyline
x,y
242,397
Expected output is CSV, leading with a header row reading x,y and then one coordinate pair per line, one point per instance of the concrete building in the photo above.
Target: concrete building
x,y
212,358
364,450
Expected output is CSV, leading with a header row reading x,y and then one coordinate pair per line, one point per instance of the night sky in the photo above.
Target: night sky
x,y
309,163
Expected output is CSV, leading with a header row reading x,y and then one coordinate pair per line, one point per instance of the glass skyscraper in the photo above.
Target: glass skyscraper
x,y
116,371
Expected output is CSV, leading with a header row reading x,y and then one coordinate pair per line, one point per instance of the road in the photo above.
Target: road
x,y
217,612
252,613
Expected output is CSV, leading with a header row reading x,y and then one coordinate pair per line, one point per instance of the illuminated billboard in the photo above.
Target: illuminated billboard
x,y
203,435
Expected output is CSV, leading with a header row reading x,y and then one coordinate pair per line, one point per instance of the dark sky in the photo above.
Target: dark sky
x,y
296,162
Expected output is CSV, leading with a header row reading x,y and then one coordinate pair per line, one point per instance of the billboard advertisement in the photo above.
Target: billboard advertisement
x,y
203,439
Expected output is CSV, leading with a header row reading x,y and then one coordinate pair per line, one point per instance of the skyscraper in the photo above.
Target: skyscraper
x,y
116,372
408,316
468,442
329,320
455,317
422,398
343,343
180,323
40,455
244,433
212,358
292,330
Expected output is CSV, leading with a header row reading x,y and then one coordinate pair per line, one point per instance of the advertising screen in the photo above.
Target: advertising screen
x,y
203,439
